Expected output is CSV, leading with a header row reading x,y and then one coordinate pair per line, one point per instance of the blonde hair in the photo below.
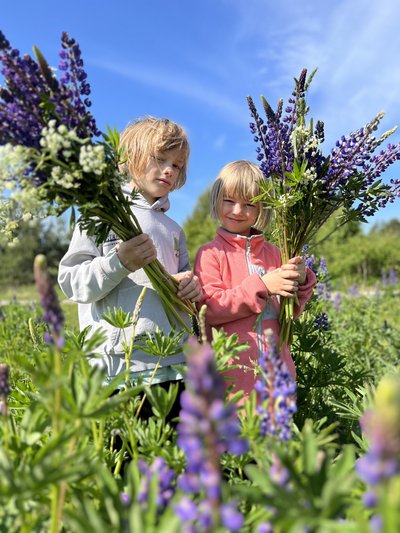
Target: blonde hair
x,y
242,179
147,137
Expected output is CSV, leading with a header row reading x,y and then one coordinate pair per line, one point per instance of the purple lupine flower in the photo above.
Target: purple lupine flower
x,y
353,291
265,527
384,278
4,384
310,261
393,279
376,523
207,428
322,321
380,425
231,519
125,499
4,380
278,473
277,392
337,300
52,313
370,499
166,482
28,84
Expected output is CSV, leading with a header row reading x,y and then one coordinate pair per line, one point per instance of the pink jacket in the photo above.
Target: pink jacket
x,y
229,269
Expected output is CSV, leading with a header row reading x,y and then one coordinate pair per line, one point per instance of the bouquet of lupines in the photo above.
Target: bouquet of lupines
x,y
304,187
53,157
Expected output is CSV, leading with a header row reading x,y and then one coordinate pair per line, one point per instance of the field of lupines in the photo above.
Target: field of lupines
x,y
322,455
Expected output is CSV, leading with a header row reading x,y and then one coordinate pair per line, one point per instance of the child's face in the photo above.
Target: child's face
x,y
160,174
238,215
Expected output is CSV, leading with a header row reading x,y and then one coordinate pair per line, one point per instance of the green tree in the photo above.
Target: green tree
x,y
35,237
199,227
357,256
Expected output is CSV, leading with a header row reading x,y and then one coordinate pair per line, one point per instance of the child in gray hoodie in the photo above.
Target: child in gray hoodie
x,y
101,278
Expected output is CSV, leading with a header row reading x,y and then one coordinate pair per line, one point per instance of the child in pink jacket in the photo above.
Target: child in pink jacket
x,y
242,274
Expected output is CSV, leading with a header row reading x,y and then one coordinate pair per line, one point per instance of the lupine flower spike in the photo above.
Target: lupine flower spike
x,y
52,313
4,388
277,392
381,464
207,428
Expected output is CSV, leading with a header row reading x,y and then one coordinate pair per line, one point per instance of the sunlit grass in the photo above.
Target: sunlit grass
x,y
26,294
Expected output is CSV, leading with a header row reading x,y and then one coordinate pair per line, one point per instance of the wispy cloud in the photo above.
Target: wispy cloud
x,y
175,82
354,45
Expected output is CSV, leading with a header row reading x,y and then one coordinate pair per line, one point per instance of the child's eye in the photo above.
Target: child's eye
x,y
250,205
228,201
179,167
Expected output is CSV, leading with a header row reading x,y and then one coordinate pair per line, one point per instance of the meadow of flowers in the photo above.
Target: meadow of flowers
x,y
321,455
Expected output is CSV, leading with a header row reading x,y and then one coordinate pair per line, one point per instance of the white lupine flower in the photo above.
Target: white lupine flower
x,y
30,200
13,243
92,159
310,174
13,161
60,139
64,178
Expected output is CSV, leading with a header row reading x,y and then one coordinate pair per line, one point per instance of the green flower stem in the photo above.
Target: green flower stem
x,y
135,318
54,523
63,486
56,512
150,383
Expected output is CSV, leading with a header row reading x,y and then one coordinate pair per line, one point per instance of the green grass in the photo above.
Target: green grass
x,y
28,294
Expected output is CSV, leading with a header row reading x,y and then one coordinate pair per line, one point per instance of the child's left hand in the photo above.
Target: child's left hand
x,y
298,265
189,286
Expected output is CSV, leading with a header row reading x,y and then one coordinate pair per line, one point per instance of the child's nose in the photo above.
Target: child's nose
x,y
168,169
237,208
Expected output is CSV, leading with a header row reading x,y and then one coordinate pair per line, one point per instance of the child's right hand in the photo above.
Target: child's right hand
x,y
282,281
137,252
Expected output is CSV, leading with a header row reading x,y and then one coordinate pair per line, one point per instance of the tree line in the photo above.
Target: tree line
x,y
352,254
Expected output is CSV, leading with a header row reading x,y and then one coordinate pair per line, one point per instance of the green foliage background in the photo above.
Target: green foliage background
x,y
353,254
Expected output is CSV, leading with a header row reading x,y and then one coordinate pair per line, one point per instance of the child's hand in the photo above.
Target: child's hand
x,y
281,281
189,286
285,281
137,252
298,264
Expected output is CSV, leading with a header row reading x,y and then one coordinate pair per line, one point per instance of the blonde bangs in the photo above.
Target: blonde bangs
x,y
148,137
239,179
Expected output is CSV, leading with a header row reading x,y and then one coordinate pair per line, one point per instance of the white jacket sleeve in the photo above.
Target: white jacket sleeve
x,y
184,264
84,274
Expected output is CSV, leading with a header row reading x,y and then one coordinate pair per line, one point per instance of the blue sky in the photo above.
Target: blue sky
x,y
195,62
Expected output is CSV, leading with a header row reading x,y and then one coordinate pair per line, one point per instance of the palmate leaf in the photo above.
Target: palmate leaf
x,y
118,318
161,345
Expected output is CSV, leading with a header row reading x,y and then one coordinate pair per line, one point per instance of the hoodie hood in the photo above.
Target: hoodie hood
x,y
162,204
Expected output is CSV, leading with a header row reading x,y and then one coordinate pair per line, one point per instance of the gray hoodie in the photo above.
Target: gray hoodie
x,y
94,277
